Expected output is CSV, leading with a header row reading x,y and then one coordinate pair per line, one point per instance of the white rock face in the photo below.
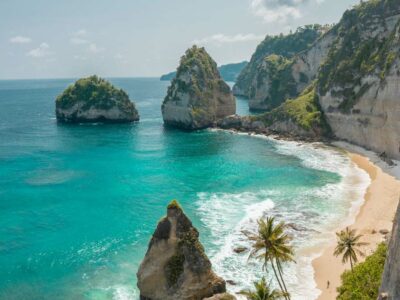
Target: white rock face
x,y
374,121
309,61
304,70
76,113
93,99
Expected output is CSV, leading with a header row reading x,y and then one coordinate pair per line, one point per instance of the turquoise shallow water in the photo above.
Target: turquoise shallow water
x,y
78,203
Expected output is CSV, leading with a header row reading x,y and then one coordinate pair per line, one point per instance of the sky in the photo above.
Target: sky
x,y
141,38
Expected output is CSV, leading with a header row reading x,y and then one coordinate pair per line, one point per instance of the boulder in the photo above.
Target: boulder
x,y
94,99
224,296
176,266
198,96
230,122
240,249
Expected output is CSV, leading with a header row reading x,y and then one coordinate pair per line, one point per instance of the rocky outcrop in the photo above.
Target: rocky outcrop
x,y
175,266
390,288
359,84
282,45
94,99
300,118
224,296
229,72
197,97
278,78
245,124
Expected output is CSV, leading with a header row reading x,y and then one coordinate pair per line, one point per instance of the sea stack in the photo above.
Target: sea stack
x,y
198,96
176,266
94,99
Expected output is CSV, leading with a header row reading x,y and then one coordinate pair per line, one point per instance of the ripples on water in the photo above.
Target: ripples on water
x,y
78,204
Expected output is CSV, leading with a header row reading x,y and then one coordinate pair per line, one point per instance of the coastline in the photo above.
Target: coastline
x,y
375,214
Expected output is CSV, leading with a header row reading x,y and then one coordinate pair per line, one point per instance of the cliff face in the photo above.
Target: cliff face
x,y
94,99
286,78
355,69
175,265
390,288
198,96
359,83
282,45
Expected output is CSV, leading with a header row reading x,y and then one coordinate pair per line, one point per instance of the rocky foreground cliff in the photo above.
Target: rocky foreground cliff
x,y
198,96
175,265
94,99
390,288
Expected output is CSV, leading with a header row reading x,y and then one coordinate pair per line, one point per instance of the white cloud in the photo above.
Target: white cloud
x,y
79,37
279,10
20,40
81,32
41,51
222,38
93,48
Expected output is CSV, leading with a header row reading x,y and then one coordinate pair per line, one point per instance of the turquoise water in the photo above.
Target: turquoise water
x,y
78,203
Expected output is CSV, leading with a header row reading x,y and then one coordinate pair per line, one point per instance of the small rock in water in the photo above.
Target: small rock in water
x,y
231,282
240,249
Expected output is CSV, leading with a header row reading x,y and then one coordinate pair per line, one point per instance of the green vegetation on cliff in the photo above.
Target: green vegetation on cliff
x,y
283,45
363,282
94,92
355,55
303,111
198,76
229,72
277,70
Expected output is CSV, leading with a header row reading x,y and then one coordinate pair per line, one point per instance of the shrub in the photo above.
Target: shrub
x,y
363,282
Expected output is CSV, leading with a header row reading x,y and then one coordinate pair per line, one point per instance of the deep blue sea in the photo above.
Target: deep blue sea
x,y
78,203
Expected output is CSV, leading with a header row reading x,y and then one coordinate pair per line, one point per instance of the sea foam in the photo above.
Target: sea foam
x,y
314,212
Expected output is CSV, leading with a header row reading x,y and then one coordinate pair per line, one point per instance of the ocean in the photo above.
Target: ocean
x,y
78,203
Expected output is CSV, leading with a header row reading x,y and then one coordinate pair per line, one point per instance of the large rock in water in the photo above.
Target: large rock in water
x,y
175,266
197,97
94,99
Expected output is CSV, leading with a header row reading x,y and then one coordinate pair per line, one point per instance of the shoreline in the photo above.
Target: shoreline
x,y
375,214
376,211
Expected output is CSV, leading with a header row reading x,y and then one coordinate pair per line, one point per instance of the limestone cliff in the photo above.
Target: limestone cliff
x,y
356,72
278,78
175,266
94,99
285,46
390,288
359,83
197,97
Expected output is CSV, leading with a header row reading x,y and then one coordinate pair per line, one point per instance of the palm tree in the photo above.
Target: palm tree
x,y
262,292
271,245
348,244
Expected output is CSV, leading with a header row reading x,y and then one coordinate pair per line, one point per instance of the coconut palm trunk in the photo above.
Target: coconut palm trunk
x,y
278,263
351,264
277,279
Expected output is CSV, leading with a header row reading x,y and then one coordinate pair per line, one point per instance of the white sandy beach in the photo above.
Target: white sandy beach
x,y
375,215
